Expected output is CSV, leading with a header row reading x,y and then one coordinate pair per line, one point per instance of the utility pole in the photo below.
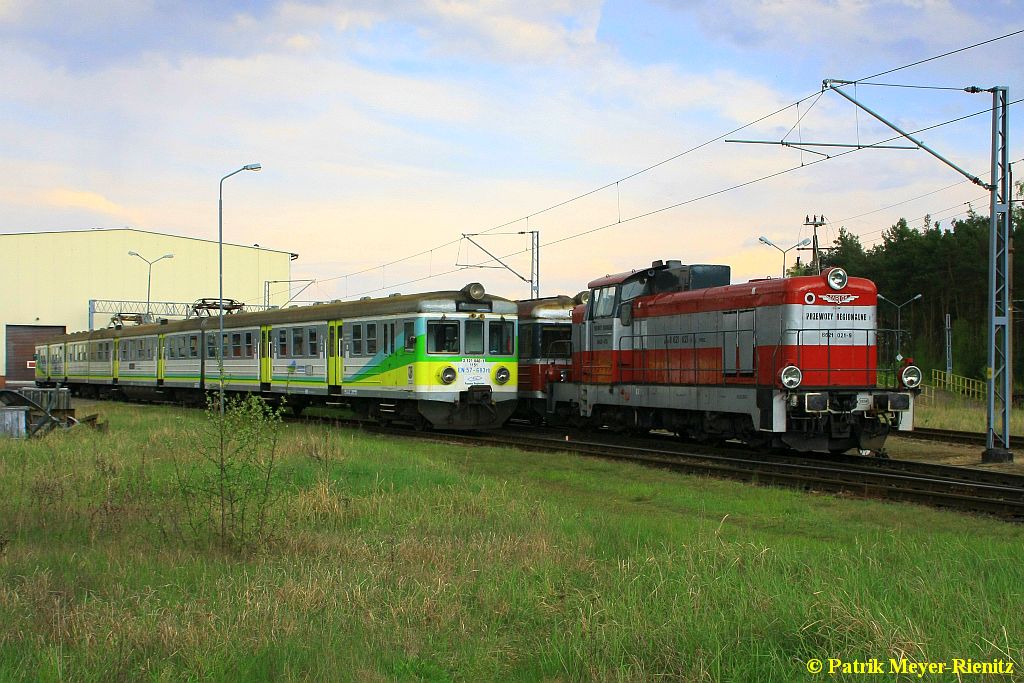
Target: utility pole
x,y
999,373
949,351
534,280
815,223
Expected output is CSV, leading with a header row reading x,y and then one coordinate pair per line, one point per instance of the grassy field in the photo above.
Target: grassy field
x,y
954,412
389,559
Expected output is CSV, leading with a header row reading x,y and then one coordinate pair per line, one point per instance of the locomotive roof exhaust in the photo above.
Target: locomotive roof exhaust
x,y
474,290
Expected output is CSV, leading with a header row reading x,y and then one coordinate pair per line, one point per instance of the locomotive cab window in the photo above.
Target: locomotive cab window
x,y
602,302
501,338
442,336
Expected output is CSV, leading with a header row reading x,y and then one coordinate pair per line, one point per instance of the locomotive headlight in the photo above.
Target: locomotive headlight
x,y
791,376
837,278
502,375
448,375
911,376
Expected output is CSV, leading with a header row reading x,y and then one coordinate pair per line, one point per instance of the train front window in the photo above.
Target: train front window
x,y
556,341
474,337
603,305
501,338
442,336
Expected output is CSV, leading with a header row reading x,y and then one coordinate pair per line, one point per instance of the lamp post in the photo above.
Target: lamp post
x,y
802,243
149,277
899,320
220,286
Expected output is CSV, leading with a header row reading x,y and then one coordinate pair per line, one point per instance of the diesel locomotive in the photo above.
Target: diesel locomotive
x,y
785,362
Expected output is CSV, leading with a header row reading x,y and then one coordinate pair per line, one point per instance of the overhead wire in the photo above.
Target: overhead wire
x,y
695,199
816,94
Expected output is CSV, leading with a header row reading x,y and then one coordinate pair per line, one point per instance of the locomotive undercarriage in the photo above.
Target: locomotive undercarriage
x,y
807,421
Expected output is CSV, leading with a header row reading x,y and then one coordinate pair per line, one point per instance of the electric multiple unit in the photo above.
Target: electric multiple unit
x,y
447,359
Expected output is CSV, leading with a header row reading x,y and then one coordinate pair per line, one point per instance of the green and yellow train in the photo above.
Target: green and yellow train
x,y
445,359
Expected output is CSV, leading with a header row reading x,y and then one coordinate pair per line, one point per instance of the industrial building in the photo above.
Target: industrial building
x,y
60,282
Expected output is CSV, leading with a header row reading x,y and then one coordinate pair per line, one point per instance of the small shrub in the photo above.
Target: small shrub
x,y
228,489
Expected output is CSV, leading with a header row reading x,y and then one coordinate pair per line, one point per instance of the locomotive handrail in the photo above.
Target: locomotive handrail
x,y
870,335
644,366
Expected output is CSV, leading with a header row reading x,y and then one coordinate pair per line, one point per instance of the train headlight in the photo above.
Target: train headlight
x,y
502,375
791,376
911,376
837,278
448,375
474,290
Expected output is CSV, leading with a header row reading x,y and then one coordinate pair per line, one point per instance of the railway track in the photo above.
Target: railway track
x,y
942,486
953,436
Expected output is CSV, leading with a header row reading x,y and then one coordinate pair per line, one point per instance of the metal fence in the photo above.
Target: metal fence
x,y
958,384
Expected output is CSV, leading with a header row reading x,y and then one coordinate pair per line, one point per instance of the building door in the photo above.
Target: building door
x,y
21,342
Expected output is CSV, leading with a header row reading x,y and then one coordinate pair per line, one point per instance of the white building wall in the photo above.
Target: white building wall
x,y
50,277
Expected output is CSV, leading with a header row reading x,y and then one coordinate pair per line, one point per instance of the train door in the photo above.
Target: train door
x,y
737,343
115,363
160,357
597,366
335,359
265,357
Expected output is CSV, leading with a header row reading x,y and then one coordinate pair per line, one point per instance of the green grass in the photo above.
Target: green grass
x,y
948,411
398,560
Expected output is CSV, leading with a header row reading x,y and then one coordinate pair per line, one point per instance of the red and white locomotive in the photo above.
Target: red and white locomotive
x,y
778,362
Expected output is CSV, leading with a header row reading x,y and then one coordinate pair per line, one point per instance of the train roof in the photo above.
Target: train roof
x,y
805,289
671,276
427,302
551,307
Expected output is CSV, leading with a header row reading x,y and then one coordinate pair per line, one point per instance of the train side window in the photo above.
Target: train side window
x,y
298,342
474,337
391,347
442,336
193,346
371,338
409,335
312,343
250,351
501,337
603,306
211,346
357,340
282,343
236,345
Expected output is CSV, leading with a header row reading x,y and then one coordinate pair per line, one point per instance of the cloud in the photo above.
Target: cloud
x,y
83,199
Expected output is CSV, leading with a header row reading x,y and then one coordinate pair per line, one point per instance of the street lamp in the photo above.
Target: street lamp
x,y
220,288
802,243
149,277
899,320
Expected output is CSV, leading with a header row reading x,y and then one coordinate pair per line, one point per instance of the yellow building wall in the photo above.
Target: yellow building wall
x,y
49,278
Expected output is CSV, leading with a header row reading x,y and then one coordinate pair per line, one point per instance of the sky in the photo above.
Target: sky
x,y
387,130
